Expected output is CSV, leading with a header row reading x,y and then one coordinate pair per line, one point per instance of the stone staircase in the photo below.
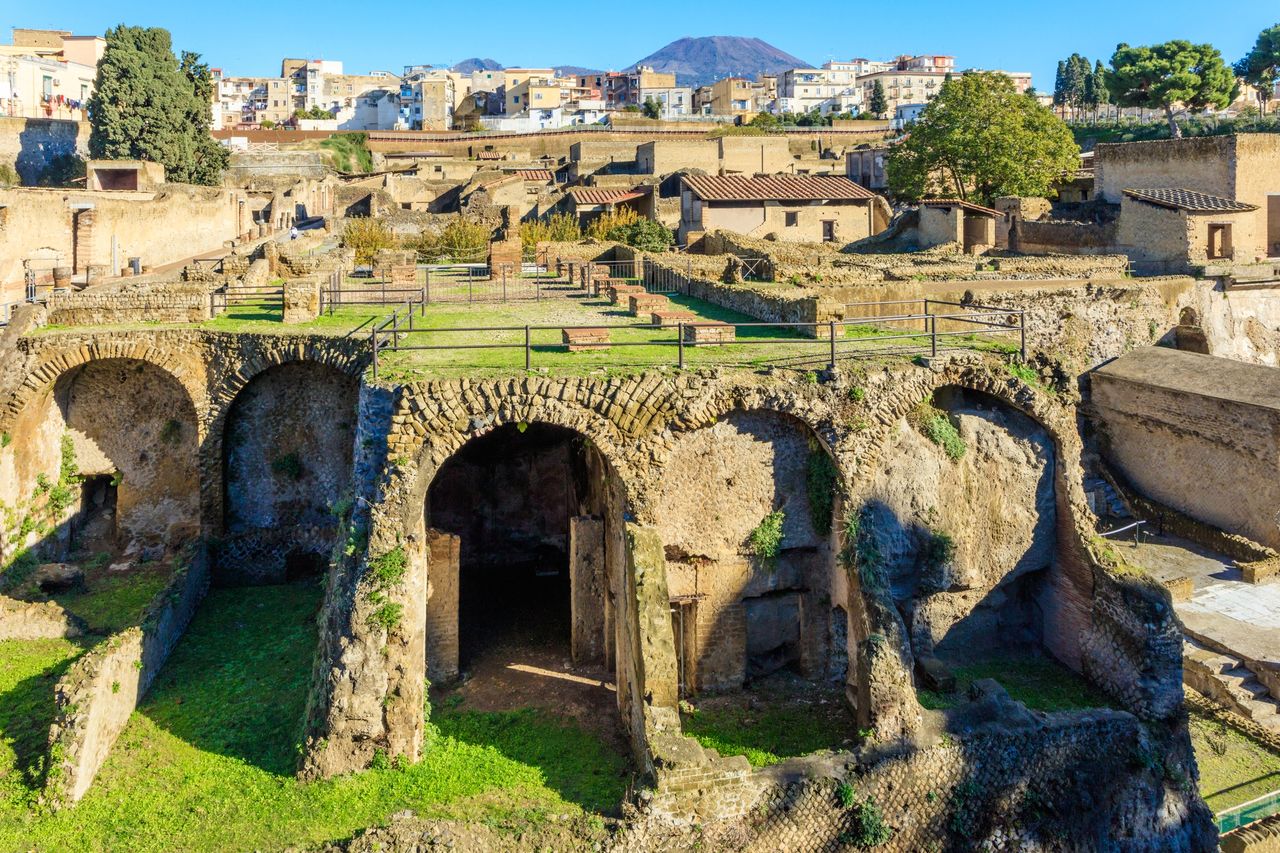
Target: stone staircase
x,y
1225,679
1103,499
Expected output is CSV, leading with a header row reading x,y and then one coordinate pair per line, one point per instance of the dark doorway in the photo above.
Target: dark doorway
x,y
94,527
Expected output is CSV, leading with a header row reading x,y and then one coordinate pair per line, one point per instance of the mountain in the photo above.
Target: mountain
x,y
475,63
574,71
702,61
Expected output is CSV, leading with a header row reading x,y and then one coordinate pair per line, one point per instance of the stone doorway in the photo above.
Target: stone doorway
x,y
517,606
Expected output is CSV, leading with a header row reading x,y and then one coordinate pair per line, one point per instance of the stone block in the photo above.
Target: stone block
x,y
709,334
1258,571
301,300
935,675
406,274
639,304
1180,588
618,293
671,316
585,339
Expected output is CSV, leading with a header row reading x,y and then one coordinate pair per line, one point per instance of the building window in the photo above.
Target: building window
x,y
46,88
792,219
1219,242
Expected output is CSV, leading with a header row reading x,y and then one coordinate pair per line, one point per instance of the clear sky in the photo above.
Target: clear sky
x,y
1028,35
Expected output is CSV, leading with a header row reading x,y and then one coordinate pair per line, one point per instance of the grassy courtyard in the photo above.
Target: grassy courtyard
x,y
1037,681
207,762
1234,769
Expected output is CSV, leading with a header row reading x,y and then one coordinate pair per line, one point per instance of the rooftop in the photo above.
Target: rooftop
x,y
1189,200
778,188
961,203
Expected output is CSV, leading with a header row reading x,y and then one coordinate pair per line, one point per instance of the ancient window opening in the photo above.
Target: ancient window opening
x,y
1219,242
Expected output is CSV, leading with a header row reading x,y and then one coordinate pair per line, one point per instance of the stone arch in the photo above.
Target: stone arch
x,y
131,429
1069,582
342,356
57,358
278,456
742,617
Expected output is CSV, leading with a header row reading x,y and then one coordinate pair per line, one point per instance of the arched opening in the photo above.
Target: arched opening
x,y
287,451
524,553
104,489
960,522
746,514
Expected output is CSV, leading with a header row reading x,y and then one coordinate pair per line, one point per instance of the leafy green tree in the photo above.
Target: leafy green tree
x,y
979,139
1165,75
1261,67
645,234
651,108
879,103
146,106
316,112
768,121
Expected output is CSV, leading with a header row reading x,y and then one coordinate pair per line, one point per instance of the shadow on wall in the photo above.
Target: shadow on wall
x,y
40,142
287,453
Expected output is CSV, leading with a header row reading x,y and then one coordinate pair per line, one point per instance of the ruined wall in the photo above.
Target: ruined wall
x,y
754,614
1205,164
31,144
287,445
104,686
133,302
1197,433
130,419
966,543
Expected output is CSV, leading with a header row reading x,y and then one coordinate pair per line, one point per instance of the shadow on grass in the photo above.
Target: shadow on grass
x,y
236,684
27,705
579,766
1035,680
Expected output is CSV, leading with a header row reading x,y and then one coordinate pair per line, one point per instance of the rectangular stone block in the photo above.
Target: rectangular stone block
x,y
618,293
671,316
709,334
587,588
585,339
639,304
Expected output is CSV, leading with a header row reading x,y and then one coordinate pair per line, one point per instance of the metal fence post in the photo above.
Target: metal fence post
x,y
373,344
1022,333
422,300
527,353
504,282
926,315
408,306
832,325
933,335
680,344
384,291
428,287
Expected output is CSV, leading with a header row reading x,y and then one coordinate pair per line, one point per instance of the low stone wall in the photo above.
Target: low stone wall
x,y
137,302
988,791
42,620
301,299
97,695
1260,837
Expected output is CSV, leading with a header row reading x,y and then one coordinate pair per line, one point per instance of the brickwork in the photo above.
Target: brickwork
x,y
442,606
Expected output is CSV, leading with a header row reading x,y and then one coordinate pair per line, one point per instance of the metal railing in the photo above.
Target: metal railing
x,y
823,343
271,298
1246,813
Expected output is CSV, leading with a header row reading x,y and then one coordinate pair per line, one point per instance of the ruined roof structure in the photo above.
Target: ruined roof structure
x,y
776,188
1189,200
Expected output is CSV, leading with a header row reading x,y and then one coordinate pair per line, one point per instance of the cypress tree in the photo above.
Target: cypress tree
x,y
146,106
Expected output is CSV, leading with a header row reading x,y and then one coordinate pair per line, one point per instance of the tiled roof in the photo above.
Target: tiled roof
x,y
1190,200
596,195
776,188
536,174
955,202
488,155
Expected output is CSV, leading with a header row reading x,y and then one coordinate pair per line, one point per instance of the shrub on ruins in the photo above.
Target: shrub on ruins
x,y
981,139
8,176
147,105
460,241
558,228
624,225
1174,74
349,151
366,236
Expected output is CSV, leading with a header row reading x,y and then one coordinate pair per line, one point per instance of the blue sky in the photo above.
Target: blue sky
x,y
1031,35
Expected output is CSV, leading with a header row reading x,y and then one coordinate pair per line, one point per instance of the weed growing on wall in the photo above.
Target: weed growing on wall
x,y
765,541
171,432
289,465
935,425
868,827
939,550
385,572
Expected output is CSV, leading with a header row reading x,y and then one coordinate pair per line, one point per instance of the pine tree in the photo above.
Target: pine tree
x,y
146,106
1100,93
879,103
1060,87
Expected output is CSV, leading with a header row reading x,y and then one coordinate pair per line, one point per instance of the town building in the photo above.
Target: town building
x,y
48,73
786,208
824,90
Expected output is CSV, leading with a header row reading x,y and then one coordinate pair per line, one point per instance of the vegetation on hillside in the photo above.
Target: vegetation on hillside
x,y
1166,76
147,105
349,151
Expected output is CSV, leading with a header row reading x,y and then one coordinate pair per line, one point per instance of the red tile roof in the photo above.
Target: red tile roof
x,y
597,195
1190,200
536,174
488,155
776,188
955,202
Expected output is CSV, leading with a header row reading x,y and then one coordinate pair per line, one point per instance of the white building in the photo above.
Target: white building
x,y
831,89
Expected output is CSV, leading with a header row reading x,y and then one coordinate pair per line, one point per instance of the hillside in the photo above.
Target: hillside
x,y
701,61
475,63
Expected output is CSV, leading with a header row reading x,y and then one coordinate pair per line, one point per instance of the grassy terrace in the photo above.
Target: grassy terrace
x,y
1234,769
634,343
207,761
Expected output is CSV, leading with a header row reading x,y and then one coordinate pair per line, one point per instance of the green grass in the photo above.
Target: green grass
x,y
29,669
1233,768
113,602
207,761
1040,683
785,723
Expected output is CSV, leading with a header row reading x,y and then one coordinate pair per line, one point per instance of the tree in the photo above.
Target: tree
x,y
1165,75
146,106
651,108
1060,87
316,112
879,103
1101,94
62,171
645,234
366,236
1261,67
979,139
